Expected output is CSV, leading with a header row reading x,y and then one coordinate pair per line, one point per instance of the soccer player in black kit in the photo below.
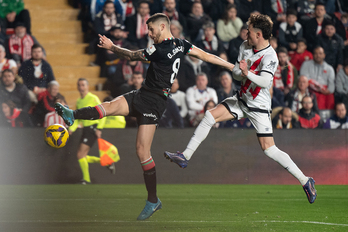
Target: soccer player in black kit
x,y
148,103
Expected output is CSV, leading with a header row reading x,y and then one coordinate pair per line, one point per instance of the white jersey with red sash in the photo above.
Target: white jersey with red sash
x,y
264,60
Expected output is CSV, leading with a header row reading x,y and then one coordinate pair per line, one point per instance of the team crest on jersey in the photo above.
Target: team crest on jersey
x,y
150,50
271,65
249,62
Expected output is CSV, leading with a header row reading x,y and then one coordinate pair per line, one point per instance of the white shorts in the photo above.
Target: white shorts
x,y
260,120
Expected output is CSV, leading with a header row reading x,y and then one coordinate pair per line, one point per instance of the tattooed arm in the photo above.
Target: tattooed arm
x,y
106,43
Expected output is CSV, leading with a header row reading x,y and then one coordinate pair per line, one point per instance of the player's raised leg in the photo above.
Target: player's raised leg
x,y
144,141
118,106
272,151
218,114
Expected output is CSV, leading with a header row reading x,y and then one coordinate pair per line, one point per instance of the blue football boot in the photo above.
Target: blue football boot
x,y
149,209
177,158
310,190
66,113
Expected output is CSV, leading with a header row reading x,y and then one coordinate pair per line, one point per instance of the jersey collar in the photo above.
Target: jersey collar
x,y
170,38
256,51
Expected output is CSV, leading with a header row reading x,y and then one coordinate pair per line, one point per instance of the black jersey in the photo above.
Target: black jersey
x,y
165,60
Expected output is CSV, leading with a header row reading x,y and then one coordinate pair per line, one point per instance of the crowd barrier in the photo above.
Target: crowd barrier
x,y
227,156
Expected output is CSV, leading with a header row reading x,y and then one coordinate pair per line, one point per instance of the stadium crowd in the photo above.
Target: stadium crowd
x,y
310,86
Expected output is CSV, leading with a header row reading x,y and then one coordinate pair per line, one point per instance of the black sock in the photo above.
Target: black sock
x,y
150,183
87,113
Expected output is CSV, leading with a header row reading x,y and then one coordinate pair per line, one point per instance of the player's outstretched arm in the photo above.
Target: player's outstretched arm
x,y
207,57
106,43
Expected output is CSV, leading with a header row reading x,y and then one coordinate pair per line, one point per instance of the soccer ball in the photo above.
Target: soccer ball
x,y
56,136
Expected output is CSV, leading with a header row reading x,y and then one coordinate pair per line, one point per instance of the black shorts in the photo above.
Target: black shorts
x,y
88,135
146,106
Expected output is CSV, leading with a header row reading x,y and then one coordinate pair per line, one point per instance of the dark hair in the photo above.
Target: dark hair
x,y
319,4
59,97
137,73
303,40
36,46
329,22
143,1
158,16
225,15
107,2
82,79
291,11
10,104
282,50
317,47
7,70
207,103
244,27
262,22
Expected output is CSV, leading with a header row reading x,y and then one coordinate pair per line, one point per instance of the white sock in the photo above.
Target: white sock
x,y
284,159
200,134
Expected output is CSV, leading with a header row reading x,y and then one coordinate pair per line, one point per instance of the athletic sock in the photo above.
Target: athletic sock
x,y
90,113
84,168
199,135
284,160
92,159
150,179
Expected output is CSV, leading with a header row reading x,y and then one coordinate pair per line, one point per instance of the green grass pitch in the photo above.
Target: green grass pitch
x,y
186,207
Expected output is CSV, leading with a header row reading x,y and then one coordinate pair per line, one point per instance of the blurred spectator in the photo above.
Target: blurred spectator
x,y
103,22
341,94
306,8
333,46
128,8
233,47
17,93
173,14
176,29
20,43
13,12
179,97
247,7
321,78
195,21
97,6
339,120
36,72
188,71
227,88
290,31
6,63
215,72
114,121
133,83
344,19
307,118
285,119
46,100
197,96
273,41
285,77
107,59
276,10
136,25
171,116
156,6
10,116
228,27
301,54
293,99
277,97
52,117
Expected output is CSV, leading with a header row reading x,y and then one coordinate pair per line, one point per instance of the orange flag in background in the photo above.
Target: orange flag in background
x,y
108,153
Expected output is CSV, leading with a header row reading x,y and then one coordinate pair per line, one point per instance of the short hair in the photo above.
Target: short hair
x,y
319,4
223,73
291,11
263,23
282,50
244,27
7,70
35,46
137,73
201,74
142,2
51,83
59,97
107,2
158,16
305,96
339,103
329,23
302,40
83,79
317,47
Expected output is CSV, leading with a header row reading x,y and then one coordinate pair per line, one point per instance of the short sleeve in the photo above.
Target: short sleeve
x,y
151,53
240,55
187,47
269,64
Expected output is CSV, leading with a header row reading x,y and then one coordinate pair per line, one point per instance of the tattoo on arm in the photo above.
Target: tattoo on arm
x,y
127,54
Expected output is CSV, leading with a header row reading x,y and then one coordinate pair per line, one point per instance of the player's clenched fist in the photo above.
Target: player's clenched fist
x,y
105,42
243,67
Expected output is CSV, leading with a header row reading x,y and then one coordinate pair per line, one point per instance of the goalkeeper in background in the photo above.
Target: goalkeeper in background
x,y
91,130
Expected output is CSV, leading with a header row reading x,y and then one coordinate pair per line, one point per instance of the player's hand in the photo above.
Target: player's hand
x,y
243,67
105,42
98,133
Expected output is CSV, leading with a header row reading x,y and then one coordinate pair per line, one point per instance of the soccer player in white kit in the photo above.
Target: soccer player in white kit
x,y
255,67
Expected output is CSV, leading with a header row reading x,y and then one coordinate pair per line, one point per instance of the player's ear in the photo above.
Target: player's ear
x,y
162,26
